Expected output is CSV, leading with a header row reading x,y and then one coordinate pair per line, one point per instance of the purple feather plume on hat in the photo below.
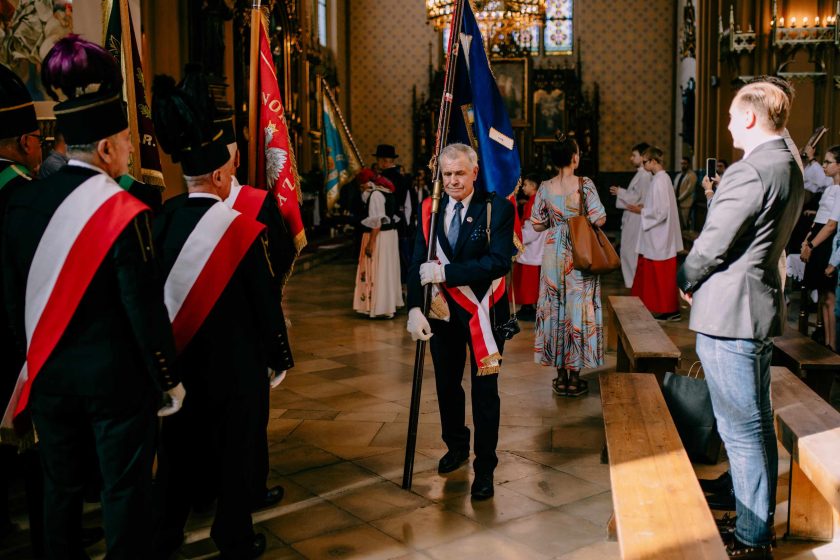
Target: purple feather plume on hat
x,y
74,64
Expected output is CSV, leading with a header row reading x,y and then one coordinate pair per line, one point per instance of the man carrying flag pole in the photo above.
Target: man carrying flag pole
x,y
467,256
271,162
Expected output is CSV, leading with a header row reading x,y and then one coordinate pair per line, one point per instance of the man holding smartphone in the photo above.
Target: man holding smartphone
x,y
731,277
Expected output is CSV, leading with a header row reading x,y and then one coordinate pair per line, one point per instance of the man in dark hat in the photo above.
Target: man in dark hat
x,y
224,305
99,355
20,156
406,197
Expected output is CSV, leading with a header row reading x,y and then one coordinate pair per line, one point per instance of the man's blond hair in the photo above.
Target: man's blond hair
x,y
769,103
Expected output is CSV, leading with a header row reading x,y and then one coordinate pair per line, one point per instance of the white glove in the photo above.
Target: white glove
x,y
418,325
275,379
432,273
175,400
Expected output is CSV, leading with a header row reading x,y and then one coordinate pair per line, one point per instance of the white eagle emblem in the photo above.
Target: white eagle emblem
x,y
275,158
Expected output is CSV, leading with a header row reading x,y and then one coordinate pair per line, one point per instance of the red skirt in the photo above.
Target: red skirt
x,y
655,284
526,283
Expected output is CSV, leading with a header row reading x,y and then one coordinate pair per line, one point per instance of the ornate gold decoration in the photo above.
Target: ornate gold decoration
x,y
496,18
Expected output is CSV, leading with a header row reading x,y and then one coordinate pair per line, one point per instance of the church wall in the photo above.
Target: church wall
x,y
630,53
389,53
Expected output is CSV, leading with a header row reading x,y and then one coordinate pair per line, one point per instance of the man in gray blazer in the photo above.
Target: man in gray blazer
x,y
731,277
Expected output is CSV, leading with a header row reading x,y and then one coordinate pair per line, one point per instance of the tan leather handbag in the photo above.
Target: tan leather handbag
x,y
592,252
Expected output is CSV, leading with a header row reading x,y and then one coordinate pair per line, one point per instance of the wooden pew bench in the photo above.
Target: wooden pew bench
x,y
641,344
809,429
659,508
813,362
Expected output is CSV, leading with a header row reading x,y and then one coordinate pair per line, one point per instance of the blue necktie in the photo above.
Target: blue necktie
x,y
455,225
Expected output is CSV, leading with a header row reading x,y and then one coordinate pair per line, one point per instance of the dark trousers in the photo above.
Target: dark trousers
x,y
209,435
26,465
259,469
124,432
448,347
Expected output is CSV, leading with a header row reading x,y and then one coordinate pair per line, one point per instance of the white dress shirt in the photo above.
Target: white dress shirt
x,y
204,195
829,206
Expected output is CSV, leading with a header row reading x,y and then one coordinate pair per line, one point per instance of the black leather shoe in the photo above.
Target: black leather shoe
x,y
452,460
91,536
724,502
737,549
482,487
255,550
719,485
271,497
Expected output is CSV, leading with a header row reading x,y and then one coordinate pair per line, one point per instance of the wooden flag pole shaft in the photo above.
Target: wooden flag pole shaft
x,y
130,94
253,93
326,88
437,188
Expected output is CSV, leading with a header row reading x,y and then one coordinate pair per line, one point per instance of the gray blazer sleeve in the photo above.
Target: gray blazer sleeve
x,y
736,203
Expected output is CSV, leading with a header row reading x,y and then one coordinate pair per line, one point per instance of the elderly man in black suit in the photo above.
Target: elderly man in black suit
x,y
475,246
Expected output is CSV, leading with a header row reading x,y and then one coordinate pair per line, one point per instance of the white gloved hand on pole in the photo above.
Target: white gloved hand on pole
x,y
175,400
418,325
432,273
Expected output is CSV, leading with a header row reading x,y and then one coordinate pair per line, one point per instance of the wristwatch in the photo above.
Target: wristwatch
x,y
810,245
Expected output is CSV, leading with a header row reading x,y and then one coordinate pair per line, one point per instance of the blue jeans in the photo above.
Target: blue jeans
x,y
738,373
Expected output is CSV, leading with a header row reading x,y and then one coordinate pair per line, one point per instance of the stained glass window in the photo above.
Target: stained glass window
x,y
558,35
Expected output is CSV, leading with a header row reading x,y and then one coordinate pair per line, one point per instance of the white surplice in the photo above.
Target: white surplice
x,y
660,238
631,223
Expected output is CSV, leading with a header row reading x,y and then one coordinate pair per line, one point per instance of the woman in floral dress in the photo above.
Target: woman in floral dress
x,y
569,328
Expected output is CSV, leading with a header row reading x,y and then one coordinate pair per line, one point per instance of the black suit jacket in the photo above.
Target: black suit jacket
x,y
473,261
245,331
11,352
402,184
281,244
119,341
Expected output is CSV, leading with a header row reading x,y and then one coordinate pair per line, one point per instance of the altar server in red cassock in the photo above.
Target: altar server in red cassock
x,y
660,240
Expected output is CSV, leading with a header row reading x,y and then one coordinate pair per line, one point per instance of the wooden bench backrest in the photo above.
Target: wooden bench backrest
x,y
809,428
643,336
659,508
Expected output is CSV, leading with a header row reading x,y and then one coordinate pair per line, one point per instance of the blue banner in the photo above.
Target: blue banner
x,y
479,117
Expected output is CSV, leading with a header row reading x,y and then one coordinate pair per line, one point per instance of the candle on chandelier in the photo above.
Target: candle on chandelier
x,y
805,21
817,21
793,21
781,22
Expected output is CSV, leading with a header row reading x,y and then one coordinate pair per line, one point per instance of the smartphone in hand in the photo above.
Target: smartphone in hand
x,y
711,168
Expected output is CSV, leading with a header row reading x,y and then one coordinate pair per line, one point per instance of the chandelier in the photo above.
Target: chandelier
x,y
497,19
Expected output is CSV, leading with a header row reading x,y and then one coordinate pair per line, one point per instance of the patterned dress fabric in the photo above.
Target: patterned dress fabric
x,y
569,326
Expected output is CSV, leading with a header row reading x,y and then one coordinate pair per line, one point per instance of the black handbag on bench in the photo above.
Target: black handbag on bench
x,y
688,401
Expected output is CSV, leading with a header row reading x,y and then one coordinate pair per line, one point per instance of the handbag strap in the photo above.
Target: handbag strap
x,y
582,203
691,369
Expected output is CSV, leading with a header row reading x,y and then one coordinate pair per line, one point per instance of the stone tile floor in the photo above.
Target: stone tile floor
x,y
337,434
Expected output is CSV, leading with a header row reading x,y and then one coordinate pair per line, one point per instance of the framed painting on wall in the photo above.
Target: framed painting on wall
x,y
549,114
512,78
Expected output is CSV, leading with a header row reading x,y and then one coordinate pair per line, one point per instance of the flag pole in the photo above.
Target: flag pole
x,y
326,88
437,188
253,93
131,96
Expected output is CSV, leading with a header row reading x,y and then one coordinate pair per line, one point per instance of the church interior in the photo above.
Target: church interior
x,y
597,475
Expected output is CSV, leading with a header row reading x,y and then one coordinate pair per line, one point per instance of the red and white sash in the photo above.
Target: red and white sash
x,y
484,346
204,267
78,236
246,200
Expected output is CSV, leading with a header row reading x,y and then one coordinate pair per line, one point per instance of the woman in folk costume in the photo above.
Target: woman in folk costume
x,y
378,290
569,328
659,242
526,269
629,200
